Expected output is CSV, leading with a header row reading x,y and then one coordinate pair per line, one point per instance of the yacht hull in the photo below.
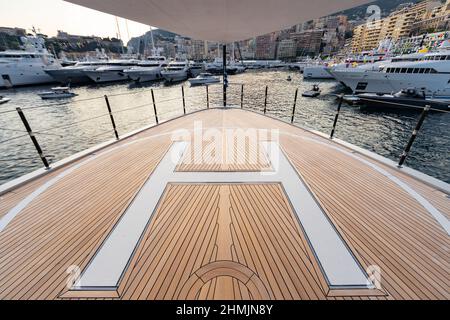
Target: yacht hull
x,y
195,82
72,76
13,75
143,76
106,76
376,102
319,72
175,76
434,85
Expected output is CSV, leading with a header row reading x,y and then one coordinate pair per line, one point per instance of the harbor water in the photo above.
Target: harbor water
x,y
70,126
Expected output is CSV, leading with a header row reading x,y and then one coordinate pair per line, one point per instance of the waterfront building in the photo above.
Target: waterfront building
x,y
287,49
198,50
437,18
407,20
309,42
266,46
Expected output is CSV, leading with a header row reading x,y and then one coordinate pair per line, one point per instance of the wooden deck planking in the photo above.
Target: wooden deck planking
x,y
238,154
39,246
206,231
381,223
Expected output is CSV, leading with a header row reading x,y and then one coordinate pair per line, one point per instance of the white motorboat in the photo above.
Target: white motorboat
x,y
113,72
148,70
26,67
313,93
57,93
427,72
204,78
176,71
4,100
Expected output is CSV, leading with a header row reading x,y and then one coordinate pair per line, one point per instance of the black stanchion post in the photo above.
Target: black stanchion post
x,y
154,107
295,106
111,117
242,96
184,101
337,117
207,96
414,136
225,75
265,100
33,138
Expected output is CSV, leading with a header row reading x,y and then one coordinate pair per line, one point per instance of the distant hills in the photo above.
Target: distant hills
x,y
158,34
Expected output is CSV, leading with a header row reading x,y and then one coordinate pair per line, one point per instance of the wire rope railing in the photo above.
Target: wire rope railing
x,y
186,96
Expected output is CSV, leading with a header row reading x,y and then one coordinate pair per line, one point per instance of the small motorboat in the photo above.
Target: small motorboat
x,y
406,99
289,78
204,78
351,99
57,93
4,100
313,93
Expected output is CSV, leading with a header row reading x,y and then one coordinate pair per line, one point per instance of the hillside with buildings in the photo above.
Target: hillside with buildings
x,y
386,6
339,34
403,27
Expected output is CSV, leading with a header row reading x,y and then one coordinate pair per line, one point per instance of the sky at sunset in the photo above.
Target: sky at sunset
x,y
52,15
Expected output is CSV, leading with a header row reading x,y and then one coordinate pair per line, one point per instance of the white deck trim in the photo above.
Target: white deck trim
x,y
338,264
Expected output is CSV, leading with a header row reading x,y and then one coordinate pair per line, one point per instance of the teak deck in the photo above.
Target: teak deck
x,y
224,241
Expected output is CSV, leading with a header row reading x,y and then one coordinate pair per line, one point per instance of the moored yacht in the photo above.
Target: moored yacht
x,y
204,78
318,71
112,72
75,74
195,68
176,71
26,67
147,70
426,72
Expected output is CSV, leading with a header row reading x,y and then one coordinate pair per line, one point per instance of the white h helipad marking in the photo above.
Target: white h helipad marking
x,y
338,264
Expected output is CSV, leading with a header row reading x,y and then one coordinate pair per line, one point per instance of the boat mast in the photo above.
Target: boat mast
x,y
225,77
118,32
153,41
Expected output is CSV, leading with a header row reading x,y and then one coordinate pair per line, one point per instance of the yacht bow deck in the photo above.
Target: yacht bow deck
x,y
326,223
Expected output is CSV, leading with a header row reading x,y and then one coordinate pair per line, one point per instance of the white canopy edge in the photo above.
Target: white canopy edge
x,y
220,20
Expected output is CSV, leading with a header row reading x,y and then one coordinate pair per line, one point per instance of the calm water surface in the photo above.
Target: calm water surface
x,y
66,127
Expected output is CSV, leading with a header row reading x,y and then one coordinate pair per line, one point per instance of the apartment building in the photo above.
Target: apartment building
x,y
409,19
309,42
287,49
